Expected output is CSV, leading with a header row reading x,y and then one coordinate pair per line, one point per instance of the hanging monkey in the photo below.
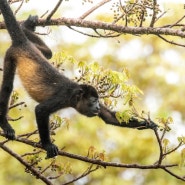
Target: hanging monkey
x,y
52,90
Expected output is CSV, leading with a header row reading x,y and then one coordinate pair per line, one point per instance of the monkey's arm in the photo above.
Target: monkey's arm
x,y
110,118
29,27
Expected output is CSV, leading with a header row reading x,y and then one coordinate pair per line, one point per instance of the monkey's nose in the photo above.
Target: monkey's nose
x,y
98,109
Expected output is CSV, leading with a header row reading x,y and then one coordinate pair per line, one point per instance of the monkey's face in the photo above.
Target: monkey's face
x,y
88,106
93,106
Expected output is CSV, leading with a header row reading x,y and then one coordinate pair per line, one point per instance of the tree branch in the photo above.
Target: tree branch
x,y
171,42
94,8
158,31
22,2
110,27
54,10
29,167
173,174
160,148
94,161
87,172
154,13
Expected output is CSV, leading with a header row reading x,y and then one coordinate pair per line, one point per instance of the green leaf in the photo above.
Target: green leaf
x,y
182,161
81,64
123,116
166,142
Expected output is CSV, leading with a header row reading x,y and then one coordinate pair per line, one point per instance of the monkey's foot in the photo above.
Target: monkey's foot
x,y
9,133
8,130
31,22
52,150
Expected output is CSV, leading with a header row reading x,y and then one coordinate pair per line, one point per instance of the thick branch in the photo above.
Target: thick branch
x,y
109,26
32,169
113,27
95,161
90,160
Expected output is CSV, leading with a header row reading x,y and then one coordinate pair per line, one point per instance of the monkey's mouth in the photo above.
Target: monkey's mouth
x,y
94,113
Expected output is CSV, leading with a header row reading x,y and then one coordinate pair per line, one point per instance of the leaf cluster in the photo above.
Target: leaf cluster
x,y
135,12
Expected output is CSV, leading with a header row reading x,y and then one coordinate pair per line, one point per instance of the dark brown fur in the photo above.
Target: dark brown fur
x,y
29,54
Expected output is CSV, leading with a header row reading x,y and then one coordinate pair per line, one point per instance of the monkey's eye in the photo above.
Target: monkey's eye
x,y
93,100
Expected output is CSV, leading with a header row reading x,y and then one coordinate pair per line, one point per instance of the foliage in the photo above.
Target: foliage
x,y
109,87
135,12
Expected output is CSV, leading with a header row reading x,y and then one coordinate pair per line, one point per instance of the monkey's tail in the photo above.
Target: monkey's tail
x,y
16,33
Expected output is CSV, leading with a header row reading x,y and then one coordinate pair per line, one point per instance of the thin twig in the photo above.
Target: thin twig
x,y
169,25
173,174
54,10
93,9
120,17
177,22
15,119
163,134
87,172
13,1
95,36
108,35
154,13
47,167
171,42
44,14
174,149
19,7
160,16
28,134
142,18
83,33
31,153
16,105
160,147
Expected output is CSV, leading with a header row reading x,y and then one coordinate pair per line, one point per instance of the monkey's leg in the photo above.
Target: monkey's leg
x,y
29,27
6,89
42,112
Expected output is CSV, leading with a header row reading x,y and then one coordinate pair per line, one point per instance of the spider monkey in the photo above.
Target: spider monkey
x,y
52,90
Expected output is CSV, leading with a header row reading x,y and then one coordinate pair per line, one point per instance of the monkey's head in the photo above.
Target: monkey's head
x,y
87,101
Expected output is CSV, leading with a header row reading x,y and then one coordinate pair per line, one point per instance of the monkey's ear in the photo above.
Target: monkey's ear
x,y
88,91
85,88
76,96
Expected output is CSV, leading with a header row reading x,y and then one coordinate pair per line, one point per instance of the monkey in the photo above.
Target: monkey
x,y
29,55
28,27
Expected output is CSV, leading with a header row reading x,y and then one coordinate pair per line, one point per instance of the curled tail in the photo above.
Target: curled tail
x,y
17,35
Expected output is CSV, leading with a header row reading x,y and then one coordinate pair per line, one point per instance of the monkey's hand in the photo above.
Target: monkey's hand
x,y
51,149
31,22
110,118
147,124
